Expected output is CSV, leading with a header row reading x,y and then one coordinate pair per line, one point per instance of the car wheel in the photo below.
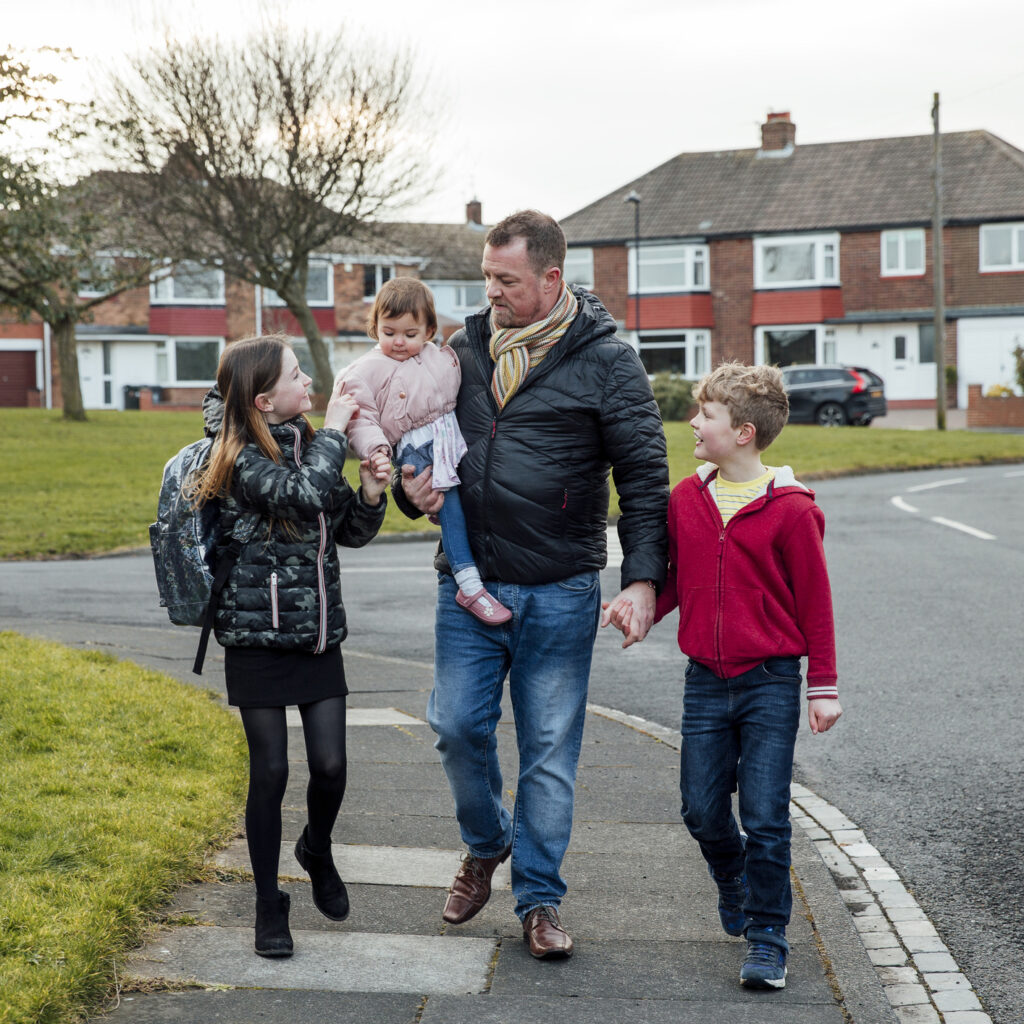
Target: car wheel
x,y
830,414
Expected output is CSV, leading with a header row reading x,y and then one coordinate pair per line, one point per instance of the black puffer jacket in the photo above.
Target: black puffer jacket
x,y
285,590
535,478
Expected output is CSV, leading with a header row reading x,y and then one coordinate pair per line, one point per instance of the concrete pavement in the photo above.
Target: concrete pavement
x,y
640,904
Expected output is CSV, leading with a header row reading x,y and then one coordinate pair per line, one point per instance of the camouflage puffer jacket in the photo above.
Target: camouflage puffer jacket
x,y
285,590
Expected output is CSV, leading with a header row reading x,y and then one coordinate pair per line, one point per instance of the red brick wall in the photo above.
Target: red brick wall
x,y
732,283
966,285
240,309
129,309
611,278
993,412
864,288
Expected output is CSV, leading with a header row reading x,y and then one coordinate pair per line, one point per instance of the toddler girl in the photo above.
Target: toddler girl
x,y
406,388
280,617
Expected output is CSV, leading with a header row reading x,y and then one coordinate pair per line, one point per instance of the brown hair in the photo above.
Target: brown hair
x,y
399,296
247,368
545,242
752,394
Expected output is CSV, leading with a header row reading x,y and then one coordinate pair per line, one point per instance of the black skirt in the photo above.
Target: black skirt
x,y
264,677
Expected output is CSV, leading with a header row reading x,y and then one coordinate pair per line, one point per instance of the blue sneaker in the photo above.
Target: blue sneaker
x,y
732,892
765,965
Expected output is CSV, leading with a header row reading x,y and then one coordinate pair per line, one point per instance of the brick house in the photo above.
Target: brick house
x,y
819,253
163,342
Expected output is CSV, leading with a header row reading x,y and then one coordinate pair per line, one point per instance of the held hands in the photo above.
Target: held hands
x,y
822,714
419,490
340,409
631,611
374,474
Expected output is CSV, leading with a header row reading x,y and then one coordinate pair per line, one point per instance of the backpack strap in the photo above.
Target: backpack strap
x,y
241,534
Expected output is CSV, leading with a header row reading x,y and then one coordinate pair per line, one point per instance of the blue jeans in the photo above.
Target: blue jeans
x,y
740,733
545,650
454,535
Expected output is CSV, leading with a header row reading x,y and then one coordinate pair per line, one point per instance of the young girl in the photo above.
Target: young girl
x,y
406,388
280,616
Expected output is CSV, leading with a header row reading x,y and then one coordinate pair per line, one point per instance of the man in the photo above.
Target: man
x,y
550,400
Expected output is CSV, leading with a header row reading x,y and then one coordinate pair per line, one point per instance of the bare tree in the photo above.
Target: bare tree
x,y
55,236
257,155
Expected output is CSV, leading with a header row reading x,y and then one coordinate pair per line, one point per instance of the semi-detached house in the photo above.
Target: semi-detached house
x,y
819,253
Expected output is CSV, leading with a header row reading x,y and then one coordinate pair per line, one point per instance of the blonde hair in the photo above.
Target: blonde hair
x,y
399,296
752,394
247,368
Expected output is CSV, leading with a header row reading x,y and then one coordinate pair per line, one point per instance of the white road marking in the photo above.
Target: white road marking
x,y
902,505
894,929
1015,472
937,483
954,525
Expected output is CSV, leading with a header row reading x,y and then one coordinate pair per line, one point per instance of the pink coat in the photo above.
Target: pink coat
x,y
395,396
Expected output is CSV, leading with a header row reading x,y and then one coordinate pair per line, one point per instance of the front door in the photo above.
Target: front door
x,y
95,365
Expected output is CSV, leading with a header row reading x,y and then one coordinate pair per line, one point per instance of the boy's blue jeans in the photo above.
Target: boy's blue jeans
x,y
740,733
454,535
545,650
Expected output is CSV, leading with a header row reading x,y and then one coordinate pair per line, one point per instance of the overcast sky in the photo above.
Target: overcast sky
x,y
553,104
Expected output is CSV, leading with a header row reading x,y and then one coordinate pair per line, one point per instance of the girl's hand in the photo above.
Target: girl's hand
x,y
340,409
374,474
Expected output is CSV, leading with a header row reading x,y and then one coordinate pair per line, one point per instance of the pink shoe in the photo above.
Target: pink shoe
x,y
484,607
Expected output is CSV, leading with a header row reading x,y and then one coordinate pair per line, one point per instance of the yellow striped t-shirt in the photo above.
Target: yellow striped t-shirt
x,y
731,497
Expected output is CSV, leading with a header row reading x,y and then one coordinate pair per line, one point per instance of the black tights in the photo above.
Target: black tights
x,y
266,731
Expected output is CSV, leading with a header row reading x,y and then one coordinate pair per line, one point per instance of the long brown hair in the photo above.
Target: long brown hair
x,y
247,368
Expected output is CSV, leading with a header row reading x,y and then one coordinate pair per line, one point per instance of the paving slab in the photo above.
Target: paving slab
x,y
323,961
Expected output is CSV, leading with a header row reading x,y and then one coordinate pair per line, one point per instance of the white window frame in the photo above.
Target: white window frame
x,y
378,269
901,237
1016,229
167,362
689,256
826,246
693,342
825,341
581,260
104,260
160,280
459,300
271,298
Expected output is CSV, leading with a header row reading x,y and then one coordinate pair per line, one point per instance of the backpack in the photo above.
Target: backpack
x,y
184,544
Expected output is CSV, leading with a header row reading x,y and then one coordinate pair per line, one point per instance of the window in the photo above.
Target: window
x,y
795,261
1002,247
579,268
470,296
95,280
189,283
374,275
684,354
782,348
669,268
319,286
903,253
187,361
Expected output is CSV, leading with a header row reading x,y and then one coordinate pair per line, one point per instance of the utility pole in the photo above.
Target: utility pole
x,y
634,198
938,274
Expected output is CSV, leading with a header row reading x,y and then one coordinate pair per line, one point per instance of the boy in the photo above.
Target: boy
x,y
747,572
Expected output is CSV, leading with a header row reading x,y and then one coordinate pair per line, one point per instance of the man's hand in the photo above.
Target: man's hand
x,y
823,713
419,490
631,611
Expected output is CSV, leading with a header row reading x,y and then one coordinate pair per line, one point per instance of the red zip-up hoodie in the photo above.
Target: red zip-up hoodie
x,y
756,588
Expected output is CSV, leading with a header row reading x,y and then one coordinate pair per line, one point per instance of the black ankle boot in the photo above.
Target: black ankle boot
x,y
272,935
329,893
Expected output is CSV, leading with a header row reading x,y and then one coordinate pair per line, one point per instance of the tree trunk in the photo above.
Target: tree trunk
x,y
67,358
323,375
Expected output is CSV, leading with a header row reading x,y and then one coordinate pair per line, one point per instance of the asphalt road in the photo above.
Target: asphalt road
x,y
927,759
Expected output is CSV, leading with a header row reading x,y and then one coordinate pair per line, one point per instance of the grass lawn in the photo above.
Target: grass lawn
x,y
114,782
72,489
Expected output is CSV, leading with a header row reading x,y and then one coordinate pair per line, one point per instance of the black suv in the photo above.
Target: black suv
x,y
833,395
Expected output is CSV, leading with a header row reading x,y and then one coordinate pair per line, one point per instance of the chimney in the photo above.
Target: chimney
x,y
778,132
474,212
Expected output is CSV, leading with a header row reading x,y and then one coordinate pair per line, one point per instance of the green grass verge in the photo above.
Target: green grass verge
x,y
114,781
83,488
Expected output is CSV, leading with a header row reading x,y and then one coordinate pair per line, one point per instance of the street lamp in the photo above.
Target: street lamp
x,y
634,198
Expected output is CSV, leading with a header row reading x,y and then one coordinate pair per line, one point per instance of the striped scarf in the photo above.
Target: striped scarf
x,y
516,350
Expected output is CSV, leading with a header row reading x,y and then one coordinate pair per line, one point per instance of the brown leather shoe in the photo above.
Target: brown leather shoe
x,y
472,887
547,938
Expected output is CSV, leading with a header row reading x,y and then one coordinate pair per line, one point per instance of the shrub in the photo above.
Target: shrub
x,y
674,396
1018,358
998,391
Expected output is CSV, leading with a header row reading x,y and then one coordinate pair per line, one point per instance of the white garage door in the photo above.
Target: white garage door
x,y
985,353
